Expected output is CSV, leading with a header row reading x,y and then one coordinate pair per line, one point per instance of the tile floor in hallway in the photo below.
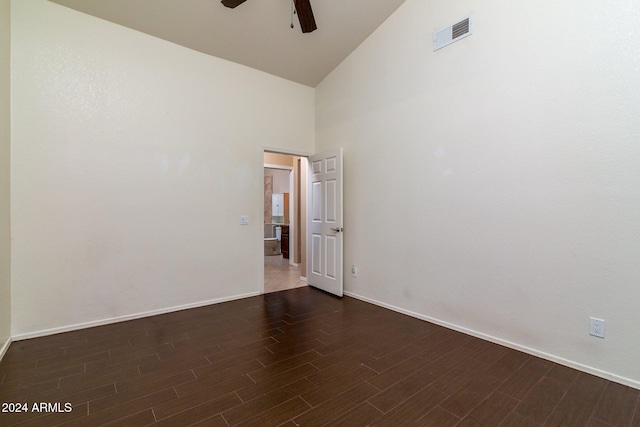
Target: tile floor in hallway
x,y
279,275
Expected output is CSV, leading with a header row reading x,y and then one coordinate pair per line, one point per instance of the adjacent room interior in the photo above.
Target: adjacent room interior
x,y
284,212
491,212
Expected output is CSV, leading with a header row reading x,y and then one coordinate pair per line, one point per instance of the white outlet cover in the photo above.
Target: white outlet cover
x,y
596,327
244,220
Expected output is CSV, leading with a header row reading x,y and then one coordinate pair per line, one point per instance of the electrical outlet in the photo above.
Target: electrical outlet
x,y
354,271
244,220
596,327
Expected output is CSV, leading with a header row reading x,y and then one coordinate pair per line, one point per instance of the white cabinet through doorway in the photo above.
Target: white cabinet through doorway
x,y
278,204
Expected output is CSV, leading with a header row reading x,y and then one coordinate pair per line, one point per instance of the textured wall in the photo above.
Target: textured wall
x,y
5,162
493,185
133,161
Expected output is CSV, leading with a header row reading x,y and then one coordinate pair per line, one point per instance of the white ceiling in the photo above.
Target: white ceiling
x,y
256,33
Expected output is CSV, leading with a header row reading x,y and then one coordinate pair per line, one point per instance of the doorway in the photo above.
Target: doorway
x,y
284,221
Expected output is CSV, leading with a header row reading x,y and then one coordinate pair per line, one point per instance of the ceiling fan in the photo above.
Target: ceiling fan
x,y
303,8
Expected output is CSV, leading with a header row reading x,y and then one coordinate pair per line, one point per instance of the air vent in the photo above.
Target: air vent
x,y
452,33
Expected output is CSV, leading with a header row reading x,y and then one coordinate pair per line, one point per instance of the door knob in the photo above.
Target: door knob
x,y
337,230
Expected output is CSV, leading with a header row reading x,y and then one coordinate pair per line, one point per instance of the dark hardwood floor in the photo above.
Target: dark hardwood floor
x,y
297,357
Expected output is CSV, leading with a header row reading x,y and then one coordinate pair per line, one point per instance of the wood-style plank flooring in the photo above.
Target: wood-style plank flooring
x,y
297,357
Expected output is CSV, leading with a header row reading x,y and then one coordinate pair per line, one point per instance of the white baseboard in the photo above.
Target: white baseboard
x,y
5,347
124,318
571,364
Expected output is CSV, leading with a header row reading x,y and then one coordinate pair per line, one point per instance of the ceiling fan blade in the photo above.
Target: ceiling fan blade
x,y
232,3
305,14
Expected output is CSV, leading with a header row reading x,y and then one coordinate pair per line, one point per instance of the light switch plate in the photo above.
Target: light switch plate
x,y
244,220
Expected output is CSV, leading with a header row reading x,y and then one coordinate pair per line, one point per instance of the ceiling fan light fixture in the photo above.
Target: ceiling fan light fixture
x,y
300,7
293,11
305,15
232,3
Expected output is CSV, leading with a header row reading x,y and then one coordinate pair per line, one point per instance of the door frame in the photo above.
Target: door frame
x,y
264,150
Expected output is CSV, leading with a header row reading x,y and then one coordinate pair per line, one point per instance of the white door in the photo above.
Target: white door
x,y
324,222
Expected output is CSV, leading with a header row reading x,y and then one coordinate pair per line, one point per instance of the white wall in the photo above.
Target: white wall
x,y
133,160
280,179
5,212
493,185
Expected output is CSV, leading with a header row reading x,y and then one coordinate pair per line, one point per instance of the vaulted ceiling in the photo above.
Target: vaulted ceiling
x,y
257,33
